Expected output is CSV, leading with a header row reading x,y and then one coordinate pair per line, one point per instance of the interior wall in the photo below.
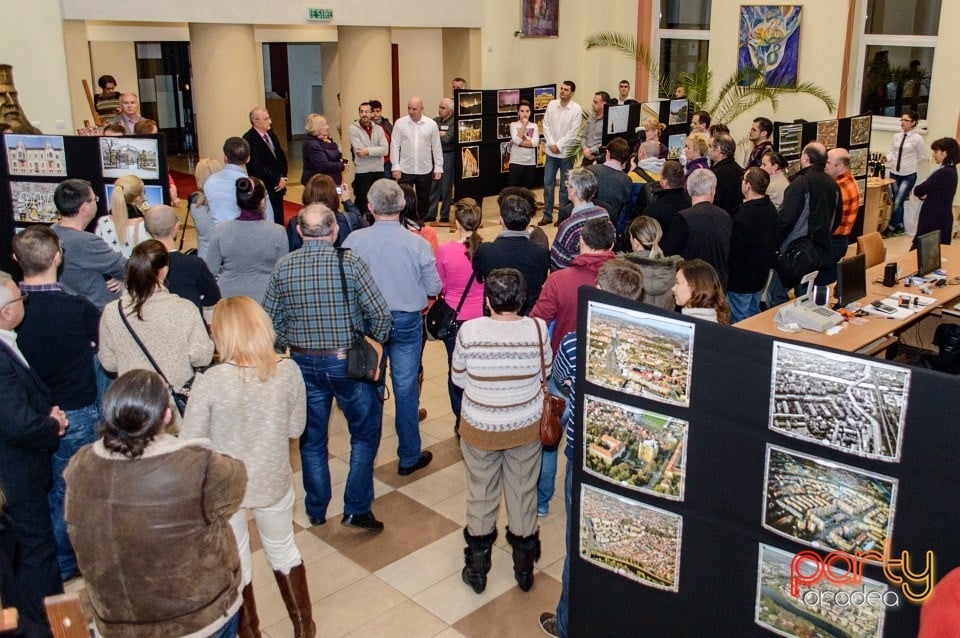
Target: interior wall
x,y
330,74
303,62
118,59
421,68
78,70
32,33
461,58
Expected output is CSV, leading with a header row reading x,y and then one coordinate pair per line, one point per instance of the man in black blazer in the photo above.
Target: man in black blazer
x,y
30,430
729,173
267,160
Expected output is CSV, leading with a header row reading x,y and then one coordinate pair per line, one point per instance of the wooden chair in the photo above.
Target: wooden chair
x,y
873,247
65,614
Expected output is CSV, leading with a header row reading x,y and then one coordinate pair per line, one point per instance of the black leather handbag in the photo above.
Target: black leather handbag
x,y
441,319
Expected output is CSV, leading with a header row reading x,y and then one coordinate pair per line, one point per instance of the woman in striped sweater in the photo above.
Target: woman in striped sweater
x,y
497,361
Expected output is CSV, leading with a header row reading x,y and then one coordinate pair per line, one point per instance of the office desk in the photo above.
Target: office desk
x,y
875,333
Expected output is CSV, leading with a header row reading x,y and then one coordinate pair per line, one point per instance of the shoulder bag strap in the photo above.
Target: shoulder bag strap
x,y
543,357
463,297
143,348
343,287
648,178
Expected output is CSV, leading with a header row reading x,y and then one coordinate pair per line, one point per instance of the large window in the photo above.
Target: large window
x,y
896,57
683,37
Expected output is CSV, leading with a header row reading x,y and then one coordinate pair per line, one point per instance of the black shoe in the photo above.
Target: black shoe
x,y
544,222
365,521
425,457
317,520
429,219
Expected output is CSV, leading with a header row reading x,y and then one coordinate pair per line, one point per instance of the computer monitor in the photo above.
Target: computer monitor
x,y
851,280
928,253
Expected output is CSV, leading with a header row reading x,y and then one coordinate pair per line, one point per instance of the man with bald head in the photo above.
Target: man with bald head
x,y
416,156
188,275
810,207
838,167
129,112
442,191
267,159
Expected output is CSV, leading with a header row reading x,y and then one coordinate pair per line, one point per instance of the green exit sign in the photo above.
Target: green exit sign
x,y
320,15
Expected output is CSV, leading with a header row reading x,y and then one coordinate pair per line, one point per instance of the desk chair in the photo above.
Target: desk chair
x,y
873,247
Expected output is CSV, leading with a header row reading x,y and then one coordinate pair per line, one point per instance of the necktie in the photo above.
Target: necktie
x,y
266,138
903,140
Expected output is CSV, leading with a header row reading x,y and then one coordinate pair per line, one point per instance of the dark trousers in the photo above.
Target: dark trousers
x,y
361,184
520,175
276,200
35,560
441,192
422,184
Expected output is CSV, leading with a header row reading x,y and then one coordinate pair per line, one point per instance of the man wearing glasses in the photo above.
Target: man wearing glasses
x,y
30,429
91,268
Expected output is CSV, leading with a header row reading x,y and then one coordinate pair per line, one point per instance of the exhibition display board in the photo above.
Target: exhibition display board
x,y
851,133
627,120
713,463
481,120
32,165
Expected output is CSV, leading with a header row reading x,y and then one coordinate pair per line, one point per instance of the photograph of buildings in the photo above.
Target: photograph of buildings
x,y
815,612
538,120
860,130
470,103
790,139
33,202
470,131
508,101
617,118
637,449
636,541
849,404
470,157
503,127
649,111
542,153
542,96
827,133
675,145
858,161
640,354
36,155
827,505
121,156
505,156
862,185
678,112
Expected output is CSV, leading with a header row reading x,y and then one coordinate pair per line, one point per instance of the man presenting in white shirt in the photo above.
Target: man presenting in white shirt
x,y
561,129
415,153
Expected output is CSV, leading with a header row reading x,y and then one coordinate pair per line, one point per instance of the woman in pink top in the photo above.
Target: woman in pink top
x,y
455,266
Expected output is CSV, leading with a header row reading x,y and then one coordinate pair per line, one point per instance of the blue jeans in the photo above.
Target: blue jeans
x,y
550,168
743,305
326,378
455,391
403,354
564,605
548,462
82,430
230,629
900,191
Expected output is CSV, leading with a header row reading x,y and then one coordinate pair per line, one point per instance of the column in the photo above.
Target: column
x,y
365,70
226,82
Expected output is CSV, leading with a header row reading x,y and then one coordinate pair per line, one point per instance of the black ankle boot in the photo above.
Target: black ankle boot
x,y
476,558
526,551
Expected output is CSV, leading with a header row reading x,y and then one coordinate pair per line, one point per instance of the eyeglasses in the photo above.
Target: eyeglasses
x,y
16,299
95,200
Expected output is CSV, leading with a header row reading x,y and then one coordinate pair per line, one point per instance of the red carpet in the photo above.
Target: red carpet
x,y
186,184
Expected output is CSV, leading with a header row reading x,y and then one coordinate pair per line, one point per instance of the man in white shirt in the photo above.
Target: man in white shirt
x,y
561,129
415,154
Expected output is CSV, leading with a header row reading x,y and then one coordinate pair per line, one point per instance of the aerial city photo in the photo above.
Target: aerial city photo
x,y
814,613
640,354
634,540
635,448
852,405
827,505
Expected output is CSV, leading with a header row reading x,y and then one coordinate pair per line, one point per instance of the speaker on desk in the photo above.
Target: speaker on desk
x,y
890,275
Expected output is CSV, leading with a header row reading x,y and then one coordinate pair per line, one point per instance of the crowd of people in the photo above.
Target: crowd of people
x,y
182,377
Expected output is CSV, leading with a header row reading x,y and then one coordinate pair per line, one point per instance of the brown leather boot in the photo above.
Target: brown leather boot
x,y
293,590
249,622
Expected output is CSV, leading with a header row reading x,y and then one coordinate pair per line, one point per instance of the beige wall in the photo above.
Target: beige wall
x,y
78,69
119,59
32,36
421,68
461,57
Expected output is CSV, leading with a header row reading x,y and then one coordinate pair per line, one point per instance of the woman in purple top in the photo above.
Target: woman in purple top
x,y
320,153
455,267
695,150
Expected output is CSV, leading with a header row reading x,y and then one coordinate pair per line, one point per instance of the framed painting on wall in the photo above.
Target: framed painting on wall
x,y
769,44
539,18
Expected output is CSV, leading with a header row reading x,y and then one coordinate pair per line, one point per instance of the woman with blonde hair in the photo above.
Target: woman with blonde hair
x,y
653,128
695,152
250,406
320,152
699,293
198,206
455,267
659,271
123,228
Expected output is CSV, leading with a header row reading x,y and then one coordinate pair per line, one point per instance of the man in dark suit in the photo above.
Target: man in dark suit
x,y
30,430
267,160
729,173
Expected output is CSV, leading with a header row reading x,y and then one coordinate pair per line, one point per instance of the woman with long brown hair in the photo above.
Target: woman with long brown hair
x,y
699,293
250,406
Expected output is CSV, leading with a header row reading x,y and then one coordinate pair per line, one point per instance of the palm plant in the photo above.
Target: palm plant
x,y
737,94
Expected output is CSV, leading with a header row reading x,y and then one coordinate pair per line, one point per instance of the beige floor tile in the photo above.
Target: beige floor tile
x,y
517,610
454,508
425,567
437,486
406,620
554,569
552,538
450,632
451,599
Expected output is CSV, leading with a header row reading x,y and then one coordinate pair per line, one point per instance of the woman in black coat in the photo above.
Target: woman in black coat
x,y
936,211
